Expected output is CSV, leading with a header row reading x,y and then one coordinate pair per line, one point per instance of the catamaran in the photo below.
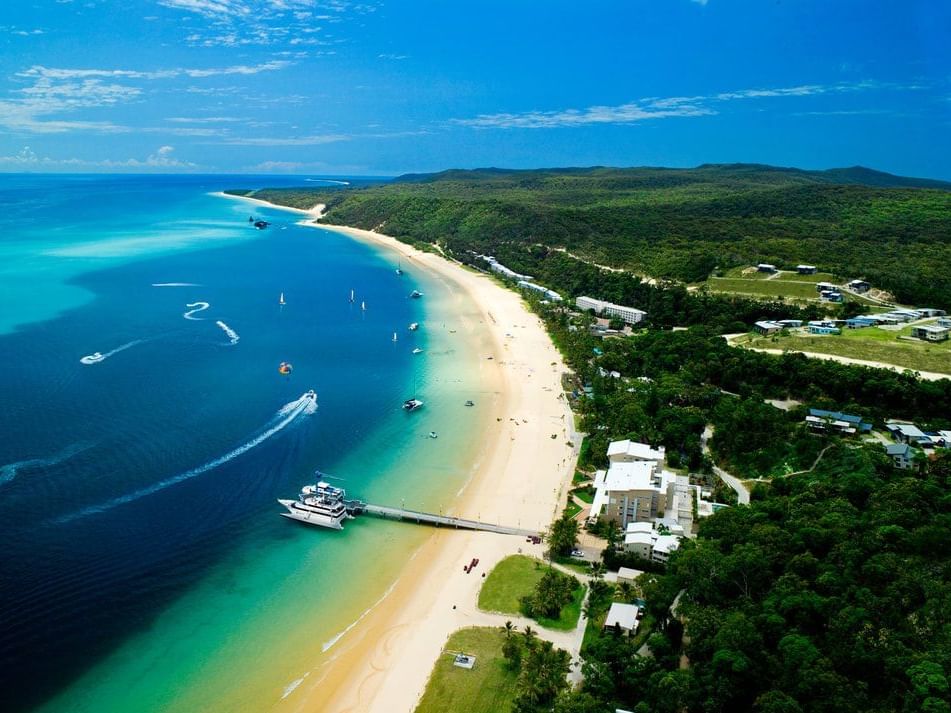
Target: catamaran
x,y
412,404
413,326
320,504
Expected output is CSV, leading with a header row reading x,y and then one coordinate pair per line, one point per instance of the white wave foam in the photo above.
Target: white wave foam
x,y
290,687
97,357
302,406
327,645
175,284
198,307
9,471
232,335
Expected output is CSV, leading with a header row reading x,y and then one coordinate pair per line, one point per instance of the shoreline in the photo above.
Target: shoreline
x,y
384,661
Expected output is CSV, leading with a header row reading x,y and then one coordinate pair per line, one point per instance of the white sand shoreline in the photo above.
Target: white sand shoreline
x,y
384,661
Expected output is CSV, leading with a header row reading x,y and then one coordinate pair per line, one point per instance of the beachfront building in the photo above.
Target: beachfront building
x,y
823,329
630,492
931,333
500,269
830,296
766,327
630,315
789,323
821,286
859,286
631,451
765,267
860,322
549,294
622,617
807,269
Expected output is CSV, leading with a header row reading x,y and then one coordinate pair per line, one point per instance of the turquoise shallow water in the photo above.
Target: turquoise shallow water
x,y
145,567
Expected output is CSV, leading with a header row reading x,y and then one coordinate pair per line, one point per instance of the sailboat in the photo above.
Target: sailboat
x,y
351,296
363,306
413,403
399,268
394,336
281,301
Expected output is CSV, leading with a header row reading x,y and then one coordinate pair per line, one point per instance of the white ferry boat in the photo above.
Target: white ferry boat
x,y
321,504
412,404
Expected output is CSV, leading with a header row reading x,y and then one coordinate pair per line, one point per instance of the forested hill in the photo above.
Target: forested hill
x,y
680,224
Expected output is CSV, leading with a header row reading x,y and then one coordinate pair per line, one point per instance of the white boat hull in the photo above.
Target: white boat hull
x,y
302,514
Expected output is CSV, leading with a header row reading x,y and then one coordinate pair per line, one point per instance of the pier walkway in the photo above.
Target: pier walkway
x,y
392,513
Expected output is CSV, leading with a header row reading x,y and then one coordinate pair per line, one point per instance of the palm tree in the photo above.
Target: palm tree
x,y
509,629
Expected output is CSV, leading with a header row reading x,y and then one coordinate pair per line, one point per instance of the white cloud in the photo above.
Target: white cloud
x,y
162,158
313,140
203,119
393,56
657,107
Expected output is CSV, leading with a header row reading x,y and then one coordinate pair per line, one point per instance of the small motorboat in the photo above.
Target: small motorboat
x,y
432,434
261,224
415,294
93,358
417,350
281,301
413,326
470,403
412,404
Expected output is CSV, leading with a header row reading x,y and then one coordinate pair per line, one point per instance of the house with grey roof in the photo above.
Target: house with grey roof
x,y
901,455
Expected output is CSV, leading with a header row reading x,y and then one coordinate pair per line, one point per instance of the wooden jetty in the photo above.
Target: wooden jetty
x,y
391,513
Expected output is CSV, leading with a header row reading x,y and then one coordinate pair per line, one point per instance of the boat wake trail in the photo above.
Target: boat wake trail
x,y
327,180
196,307
289,413
232,335
174,284
97,357
9,471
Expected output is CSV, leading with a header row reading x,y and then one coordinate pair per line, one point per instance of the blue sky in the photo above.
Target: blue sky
x,y
382,88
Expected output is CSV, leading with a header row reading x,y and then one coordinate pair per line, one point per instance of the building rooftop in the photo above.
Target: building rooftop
x,y
908,430
634,449
897,449
623,615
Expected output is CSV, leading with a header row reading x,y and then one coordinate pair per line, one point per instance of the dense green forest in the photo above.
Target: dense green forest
x,y
679,224
830,594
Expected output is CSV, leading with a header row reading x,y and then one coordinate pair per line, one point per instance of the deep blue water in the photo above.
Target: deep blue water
x,y
85,560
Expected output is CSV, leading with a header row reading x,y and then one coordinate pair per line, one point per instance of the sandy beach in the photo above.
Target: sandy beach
x,y
384,661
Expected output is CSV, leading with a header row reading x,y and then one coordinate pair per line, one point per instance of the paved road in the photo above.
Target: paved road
x,y
742,494
926,375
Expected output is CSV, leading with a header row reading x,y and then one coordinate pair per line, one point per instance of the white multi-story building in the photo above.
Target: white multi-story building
x,y
630,492
630,315
629,451
550,294
497,267
642,539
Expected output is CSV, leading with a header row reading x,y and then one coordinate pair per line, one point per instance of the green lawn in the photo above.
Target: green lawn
x,y
790,289
572,508
873,344
516,577
487,688
585,494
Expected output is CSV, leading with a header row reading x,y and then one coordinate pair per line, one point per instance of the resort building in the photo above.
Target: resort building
x,y
905,432
820,286
830,296
765,267
931,333
901,455
641,539
860,322
499,268
630,492
821,420
630,315
859,286
631,451
944,322
765,327
823,329
789,323
550,294
622,617
806,269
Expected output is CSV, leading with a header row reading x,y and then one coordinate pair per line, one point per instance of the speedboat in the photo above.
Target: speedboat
x,y
432,434
311,395
417,350
415,294
261,224
413,326
93,358
470,403
412,404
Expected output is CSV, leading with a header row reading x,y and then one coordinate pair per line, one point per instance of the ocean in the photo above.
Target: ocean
x,y
144,565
